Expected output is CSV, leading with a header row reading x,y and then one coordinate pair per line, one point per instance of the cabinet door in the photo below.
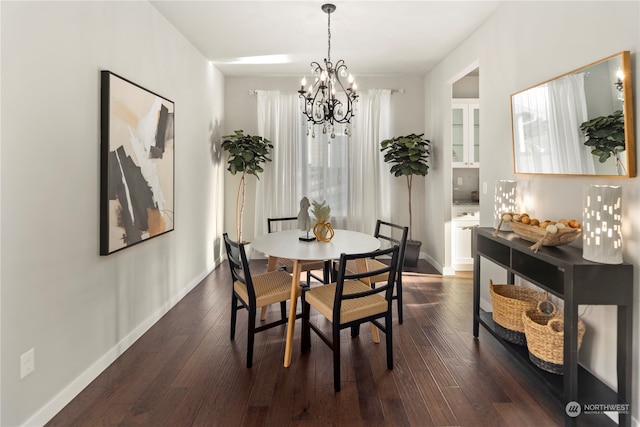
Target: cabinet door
x,y
465,135
458,133
474,135
462,232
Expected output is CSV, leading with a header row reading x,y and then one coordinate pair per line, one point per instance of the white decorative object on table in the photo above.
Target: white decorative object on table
x,y
602,239
304,220
504,199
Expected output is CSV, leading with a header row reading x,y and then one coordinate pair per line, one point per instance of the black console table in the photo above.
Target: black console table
x,y
563,272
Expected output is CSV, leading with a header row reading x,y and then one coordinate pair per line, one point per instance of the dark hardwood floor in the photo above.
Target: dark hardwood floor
x,y
185,371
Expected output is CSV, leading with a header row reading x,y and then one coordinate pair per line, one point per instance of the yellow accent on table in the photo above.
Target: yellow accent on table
x,y
323,231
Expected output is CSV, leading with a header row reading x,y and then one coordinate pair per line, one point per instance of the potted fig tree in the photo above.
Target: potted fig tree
x,y
408,156
246,155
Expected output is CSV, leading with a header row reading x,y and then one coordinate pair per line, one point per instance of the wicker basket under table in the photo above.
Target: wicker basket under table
x,y
509,302
544,330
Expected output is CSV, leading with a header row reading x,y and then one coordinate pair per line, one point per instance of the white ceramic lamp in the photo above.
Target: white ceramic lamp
x,y
504,200
602,222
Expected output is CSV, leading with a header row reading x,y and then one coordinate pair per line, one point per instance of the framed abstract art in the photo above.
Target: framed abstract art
x,y
137,164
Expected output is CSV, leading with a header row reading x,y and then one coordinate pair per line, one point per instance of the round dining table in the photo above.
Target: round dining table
x,y
287,244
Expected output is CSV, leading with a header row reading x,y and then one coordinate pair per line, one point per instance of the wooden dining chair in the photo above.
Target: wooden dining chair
x,y
253,291
278,224
395,235
349,302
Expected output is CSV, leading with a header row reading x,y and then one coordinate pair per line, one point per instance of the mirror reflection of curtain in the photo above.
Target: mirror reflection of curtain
x,y
547,131
347,172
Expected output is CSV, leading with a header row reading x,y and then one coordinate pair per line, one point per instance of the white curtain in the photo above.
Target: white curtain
x,y
369,176
276,190
548,137
347,172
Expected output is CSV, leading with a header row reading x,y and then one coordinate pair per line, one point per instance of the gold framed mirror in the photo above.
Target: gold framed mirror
x,y
579,123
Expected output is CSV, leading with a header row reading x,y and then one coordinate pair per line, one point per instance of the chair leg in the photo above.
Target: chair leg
x,y
250,336
355,331
399,298
389,338
234,311
305,339
283,309
334,272
326,272
336,359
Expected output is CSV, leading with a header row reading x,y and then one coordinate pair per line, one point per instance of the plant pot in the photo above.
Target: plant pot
x,y
412,253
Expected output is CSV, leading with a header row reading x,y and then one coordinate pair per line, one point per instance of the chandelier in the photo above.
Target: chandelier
x,y
327,100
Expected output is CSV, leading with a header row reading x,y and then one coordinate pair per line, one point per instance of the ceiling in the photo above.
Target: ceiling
x,y
282,38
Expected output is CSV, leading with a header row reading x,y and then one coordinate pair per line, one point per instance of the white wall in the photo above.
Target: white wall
x,y
522,44
77,309
407,117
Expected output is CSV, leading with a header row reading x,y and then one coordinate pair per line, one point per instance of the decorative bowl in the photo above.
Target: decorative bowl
x,y
534,234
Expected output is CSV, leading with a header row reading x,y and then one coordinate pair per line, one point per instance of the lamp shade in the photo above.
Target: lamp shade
x,y
504,199
602,238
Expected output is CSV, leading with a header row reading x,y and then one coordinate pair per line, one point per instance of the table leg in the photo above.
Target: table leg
x,y
271,266
361,265
295,284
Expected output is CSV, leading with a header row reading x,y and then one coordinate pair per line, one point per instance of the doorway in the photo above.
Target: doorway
x,y
465,168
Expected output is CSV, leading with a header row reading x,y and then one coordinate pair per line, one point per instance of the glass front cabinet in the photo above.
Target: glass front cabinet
x,y
465,138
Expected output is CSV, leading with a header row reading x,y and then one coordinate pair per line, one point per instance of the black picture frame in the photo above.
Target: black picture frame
x,y
137,164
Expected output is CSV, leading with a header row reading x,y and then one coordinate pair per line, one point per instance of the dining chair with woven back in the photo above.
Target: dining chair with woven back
x,y
391,234
253,291
349,302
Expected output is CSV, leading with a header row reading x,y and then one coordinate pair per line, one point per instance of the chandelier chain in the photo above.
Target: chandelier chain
x,y
329,36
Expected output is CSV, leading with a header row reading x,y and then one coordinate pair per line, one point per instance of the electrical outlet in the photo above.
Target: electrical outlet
x,y
27,363
459,180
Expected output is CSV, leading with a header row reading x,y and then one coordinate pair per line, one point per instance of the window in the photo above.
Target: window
x,y
322,169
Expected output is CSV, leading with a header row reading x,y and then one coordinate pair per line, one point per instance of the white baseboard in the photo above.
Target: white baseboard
x,y
66,395
485,305
463,267
433,262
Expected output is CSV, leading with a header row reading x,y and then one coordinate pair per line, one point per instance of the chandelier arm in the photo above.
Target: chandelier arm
x,y
315,67
312,103
341,66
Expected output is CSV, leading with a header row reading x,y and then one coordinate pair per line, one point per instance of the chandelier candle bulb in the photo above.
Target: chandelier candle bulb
x,y
602,221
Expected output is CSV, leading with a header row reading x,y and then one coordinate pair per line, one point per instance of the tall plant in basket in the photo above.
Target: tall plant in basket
x,y
246,155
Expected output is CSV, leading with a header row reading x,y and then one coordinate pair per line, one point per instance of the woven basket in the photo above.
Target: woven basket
x,y
544,330
509,303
